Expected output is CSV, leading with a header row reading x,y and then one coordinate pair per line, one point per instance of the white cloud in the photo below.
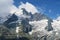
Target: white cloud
x,y
39,25
56,26
5,7
58,18
13,9
28,6
56,23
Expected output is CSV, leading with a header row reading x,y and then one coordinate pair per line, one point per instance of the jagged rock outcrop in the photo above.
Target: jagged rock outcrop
x,y
49,26
8,23
26,26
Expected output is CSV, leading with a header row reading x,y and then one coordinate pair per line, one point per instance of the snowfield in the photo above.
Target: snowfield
x,y
39,29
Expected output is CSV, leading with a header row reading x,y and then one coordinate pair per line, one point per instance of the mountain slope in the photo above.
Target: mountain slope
x,y
31,23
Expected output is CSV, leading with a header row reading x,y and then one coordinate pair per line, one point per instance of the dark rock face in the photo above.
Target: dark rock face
x,y
25,12
11,19
12,25
22,38
49,27
26,26
11,22
38,16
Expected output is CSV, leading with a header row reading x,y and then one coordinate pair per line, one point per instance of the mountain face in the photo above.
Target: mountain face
x,y
40,24
13,18
49,26
34,17
25,21
11,22
26,26
37,17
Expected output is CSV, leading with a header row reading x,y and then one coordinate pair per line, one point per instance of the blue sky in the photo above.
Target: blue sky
x,y
51,8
